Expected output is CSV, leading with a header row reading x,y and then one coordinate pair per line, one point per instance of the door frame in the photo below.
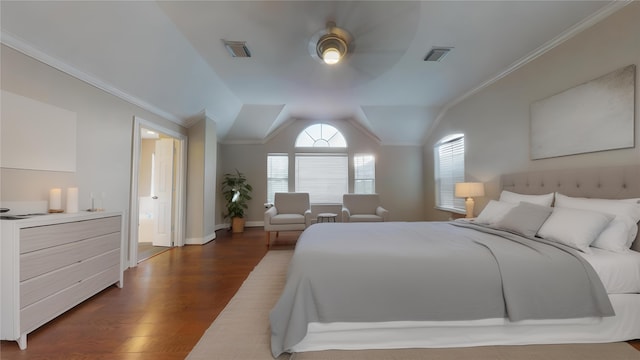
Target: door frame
x,y
180,186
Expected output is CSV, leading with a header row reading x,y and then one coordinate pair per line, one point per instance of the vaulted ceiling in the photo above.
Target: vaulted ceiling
x,y
169,56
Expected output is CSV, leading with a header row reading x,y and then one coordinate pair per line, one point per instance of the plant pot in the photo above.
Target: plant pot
x,y
237,225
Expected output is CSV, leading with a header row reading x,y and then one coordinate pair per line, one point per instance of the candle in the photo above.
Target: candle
x,y
72,200
55,199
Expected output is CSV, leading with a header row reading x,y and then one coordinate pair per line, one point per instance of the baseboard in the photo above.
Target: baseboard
x,y
201,240
221,226
247,224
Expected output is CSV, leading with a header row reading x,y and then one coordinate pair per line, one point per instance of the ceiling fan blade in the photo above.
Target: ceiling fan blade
x,y
382,32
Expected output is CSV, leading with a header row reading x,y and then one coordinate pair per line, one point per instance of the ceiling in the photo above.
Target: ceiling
x,y
168,56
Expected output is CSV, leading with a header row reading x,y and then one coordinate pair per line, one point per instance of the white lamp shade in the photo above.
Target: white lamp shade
x,y
469,189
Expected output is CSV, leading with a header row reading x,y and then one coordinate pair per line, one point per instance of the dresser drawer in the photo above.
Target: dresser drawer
x,y
37,314
39,287
42,237
36,263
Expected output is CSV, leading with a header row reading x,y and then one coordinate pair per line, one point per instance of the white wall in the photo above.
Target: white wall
x,y
104,135
495,121
398,169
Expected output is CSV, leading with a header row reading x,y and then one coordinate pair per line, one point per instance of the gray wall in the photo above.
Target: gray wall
x,y
398,169
495,121
210,174
104,135
201,182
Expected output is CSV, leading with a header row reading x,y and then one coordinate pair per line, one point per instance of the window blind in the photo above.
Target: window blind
x,y
364,174
323,176
449,163
277,175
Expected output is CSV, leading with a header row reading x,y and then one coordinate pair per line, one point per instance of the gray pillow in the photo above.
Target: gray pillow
x,y
525,219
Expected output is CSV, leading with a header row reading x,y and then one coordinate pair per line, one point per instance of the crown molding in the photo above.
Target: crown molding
x,y
278,129
358,125
579,27
192,120
242,142
29,50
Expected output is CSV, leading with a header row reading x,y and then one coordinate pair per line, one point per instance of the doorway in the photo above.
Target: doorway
x,y
157,191
156,176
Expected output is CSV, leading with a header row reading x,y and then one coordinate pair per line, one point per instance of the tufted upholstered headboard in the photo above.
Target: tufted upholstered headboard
x,y
616,182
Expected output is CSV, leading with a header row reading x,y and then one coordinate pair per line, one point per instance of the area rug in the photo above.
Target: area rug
x,y
241,332
611,351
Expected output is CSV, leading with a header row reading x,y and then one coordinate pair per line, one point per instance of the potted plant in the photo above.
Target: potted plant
x,y
236,192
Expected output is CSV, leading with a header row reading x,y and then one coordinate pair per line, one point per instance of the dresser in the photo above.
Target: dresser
x,y
51,263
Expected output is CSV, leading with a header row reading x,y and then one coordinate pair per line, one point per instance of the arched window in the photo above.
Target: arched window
x,y
449,169
324,174
321,135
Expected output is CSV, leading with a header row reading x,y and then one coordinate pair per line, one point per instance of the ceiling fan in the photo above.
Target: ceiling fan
x,y
360,40
330,45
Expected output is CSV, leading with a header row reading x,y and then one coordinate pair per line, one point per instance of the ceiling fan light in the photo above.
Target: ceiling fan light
x,y
331,48
331,56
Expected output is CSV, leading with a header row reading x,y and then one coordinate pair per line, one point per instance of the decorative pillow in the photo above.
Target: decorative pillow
x,y
494,212
575,228
525,219
515,198
621,231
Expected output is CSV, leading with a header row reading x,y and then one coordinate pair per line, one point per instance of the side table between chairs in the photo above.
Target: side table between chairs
x,y
326,217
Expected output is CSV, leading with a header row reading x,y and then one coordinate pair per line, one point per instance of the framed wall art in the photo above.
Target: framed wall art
x,y
595,116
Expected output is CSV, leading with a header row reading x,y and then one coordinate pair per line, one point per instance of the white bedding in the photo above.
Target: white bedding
x,y
619,272
395,335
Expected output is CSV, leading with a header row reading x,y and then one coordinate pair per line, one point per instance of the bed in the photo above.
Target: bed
x,y
354,286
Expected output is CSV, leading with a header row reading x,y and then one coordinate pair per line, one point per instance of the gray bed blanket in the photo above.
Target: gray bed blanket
x,y
421,271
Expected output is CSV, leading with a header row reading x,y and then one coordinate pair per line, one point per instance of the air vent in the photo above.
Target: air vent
x,y
437,53
237,48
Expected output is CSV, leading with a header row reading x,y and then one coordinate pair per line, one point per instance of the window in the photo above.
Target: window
x,y
323,176
321,135
277,175
364,174
449,169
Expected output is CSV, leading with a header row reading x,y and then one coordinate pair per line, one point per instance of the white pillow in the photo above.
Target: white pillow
x,y
621,231
494,212
629,207
515,198
574,227
618,235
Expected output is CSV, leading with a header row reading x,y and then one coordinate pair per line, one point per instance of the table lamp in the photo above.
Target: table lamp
x,y
468,190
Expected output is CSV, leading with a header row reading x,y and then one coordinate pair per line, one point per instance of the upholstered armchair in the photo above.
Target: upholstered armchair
x,y
363,208
290,212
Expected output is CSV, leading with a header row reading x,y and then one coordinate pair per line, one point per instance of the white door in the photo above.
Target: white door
x,y
162,192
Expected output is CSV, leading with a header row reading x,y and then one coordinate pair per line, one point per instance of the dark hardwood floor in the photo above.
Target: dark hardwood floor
x,y
167,303
165,306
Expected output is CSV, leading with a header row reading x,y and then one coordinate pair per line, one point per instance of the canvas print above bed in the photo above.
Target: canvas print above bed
x,y
594,116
